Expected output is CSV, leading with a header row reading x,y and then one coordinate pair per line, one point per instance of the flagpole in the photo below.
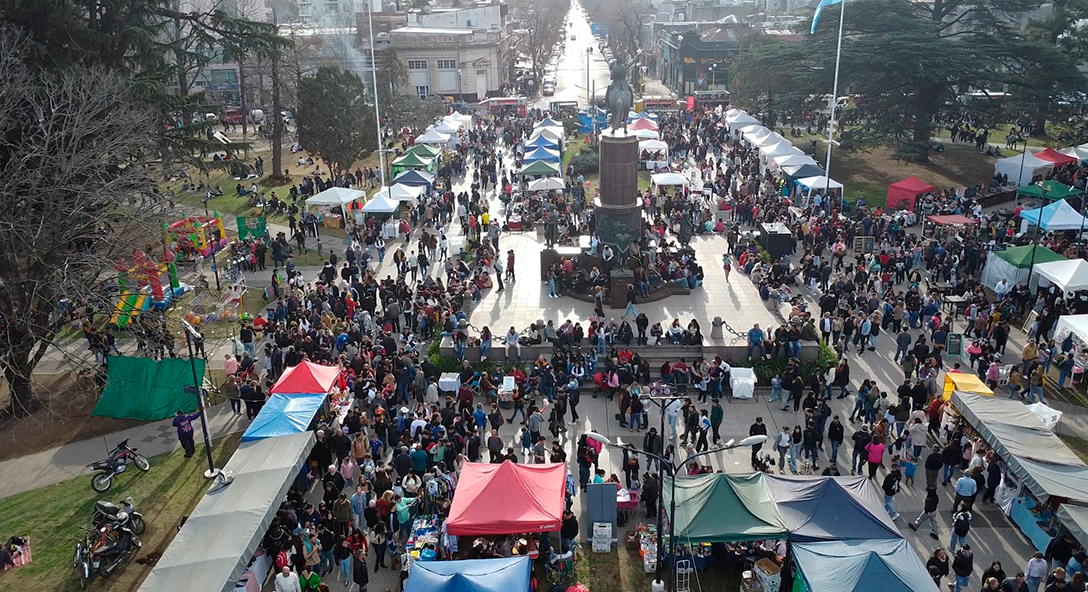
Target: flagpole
x,y
374,78
831,110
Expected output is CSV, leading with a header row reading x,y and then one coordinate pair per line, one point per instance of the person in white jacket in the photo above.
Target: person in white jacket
x,y
287,581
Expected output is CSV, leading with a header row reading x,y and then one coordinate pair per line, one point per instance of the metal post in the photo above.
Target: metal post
x,y
831,111
1035,235
191,334
215,264
374,77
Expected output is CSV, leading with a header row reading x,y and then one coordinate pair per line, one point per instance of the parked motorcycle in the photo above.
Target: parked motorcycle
x,y
116,464
124,515
103,550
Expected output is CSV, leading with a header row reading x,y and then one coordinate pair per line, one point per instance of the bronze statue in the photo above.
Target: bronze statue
x,y
620,97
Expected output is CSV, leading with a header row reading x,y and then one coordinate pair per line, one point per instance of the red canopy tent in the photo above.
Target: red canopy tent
x,y
643,123
906,191
507,498
306,378
1055,157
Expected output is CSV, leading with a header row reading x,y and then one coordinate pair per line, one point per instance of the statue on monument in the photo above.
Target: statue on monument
x,y
620,97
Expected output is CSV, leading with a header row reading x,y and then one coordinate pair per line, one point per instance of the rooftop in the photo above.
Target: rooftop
x,y
432,31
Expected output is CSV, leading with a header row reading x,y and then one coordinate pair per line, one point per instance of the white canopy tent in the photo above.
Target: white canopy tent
x,y
739,120
1077,325
335,196
783,148
792,160
753,128
663,179
433,136
1048,415
400,192
462,117
546,184
381,204
453,122
446,127
213,548
758,136
1020,173
652,145
818,183
548,132
769,140
646,134
1077,152
1068,274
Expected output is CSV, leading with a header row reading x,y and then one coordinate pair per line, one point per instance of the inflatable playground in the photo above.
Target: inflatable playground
x,y
144,286
198,234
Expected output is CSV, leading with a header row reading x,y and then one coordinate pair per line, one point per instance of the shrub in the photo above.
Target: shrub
x,y
586,161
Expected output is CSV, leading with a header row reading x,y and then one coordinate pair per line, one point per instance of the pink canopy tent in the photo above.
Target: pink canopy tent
x,y
903,194
642,123
306,378
507,498
1055,157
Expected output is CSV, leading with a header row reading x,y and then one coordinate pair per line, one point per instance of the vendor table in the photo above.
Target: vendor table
x,y
332,221
449,382
253,577
390,229
953,302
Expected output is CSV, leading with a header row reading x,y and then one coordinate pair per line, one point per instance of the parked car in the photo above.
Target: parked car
x,y
548,90
232,116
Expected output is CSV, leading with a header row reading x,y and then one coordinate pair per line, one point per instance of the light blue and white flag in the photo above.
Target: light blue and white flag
x,y
819,9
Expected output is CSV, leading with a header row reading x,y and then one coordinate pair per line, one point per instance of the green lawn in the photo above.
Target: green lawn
x,y
51,515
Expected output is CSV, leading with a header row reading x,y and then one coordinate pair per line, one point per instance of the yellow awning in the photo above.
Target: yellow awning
x,y
961,381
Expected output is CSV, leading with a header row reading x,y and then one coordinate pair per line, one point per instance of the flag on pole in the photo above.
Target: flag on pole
x,y
819,9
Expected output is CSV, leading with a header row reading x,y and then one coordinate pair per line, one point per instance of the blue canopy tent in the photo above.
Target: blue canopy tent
x,y
586,122
1053,217
861,566
283,415
541,141
414,178
821,508
542,154
473,575
806,170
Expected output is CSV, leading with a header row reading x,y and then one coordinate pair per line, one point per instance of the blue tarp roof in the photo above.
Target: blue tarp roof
x,y
541,142
822,508
414,178
541,153
862,566
283,415
474,575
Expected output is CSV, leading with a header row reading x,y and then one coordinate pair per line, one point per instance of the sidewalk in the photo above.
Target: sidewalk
x,y
65,462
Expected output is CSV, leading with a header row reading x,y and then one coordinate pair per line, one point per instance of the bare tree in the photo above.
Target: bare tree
x,y
74,182
542,33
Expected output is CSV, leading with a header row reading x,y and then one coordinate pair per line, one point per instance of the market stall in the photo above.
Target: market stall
x,y
474,575
285,414
1078,152
496,499
1022,168
540,168
667,179
1075,328
860,566
963,381
1050,189
1075,520
653,154
399,193
1042,471
432,136
306,378
739,119
541,142
824,509
414,178
217,545
336,198
793,160
547,184
904,194
1014,264
1068,275
1054,217
1052,155
411,160
541,153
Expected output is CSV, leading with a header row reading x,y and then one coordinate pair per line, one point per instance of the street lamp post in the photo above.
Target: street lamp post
x,y
191,334
730,445
460,92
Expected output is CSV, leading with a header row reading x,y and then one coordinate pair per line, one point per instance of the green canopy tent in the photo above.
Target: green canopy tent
x,y
541,168
141,388
717,508
1014,264
1052,190
424,150
411,160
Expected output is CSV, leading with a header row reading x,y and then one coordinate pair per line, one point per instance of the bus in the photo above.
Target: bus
x,y
499,105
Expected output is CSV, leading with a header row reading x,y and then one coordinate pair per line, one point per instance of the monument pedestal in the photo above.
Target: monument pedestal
x,y
618,211
619,279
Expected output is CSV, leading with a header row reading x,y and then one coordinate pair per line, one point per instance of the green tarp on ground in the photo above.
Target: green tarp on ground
x,y
141,388
719,508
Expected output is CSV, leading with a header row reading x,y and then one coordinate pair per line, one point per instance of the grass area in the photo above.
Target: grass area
x,y
1076,444
621,571
51,515
868,174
